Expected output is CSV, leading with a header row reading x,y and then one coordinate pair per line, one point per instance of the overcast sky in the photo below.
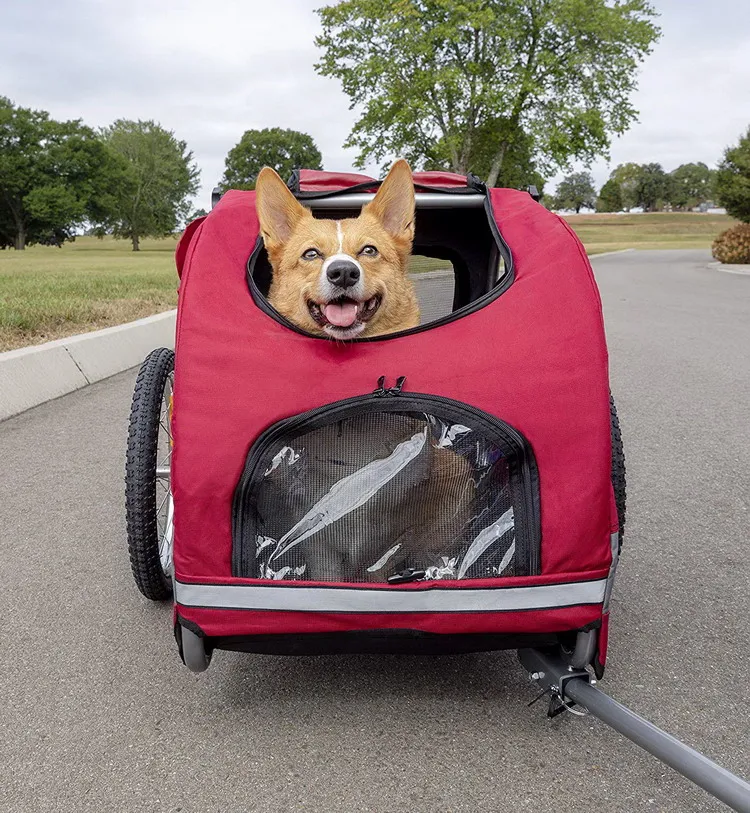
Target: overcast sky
x,y
210,70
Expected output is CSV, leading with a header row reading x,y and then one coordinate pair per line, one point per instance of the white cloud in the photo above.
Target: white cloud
x,y
210,70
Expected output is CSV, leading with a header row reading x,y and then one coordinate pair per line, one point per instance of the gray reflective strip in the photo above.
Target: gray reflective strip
x,y
614,541
347,600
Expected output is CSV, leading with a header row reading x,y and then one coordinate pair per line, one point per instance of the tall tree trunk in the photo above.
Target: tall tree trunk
x,y
497,165
455,161
136,242
465,159
20,243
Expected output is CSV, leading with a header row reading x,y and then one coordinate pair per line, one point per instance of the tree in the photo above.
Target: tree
x,y
644,185
610,197
54,176
282,150
519,168
152,196
424,71
195,215
7,225
733,179
576,191
652,188
691,184
627,177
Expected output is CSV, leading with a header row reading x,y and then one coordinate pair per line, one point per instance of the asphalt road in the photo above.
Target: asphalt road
x,y
98,714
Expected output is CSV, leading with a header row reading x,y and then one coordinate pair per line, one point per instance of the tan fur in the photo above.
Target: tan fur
x,y
387,223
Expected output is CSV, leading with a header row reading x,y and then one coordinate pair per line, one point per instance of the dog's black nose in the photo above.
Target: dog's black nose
x,y
343,273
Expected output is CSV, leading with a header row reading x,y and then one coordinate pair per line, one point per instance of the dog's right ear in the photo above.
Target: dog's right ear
x,y
393,204
278,210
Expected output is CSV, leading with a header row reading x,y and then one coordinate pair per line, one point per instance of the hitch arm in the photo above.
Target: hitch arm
x,y
568,684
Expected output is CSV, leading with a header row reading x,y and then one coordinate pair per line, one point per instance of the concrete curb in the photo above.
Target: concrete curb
x,y
442,273
609,253
741,269
32,375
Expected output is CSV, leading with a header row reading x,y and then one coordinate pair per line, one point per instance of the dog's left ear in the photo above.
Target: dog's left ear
x,y
393,204
279,211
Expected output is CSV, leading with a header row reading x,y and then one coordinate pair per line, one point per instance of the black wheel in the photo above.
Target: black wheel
x,y
148,497
618,467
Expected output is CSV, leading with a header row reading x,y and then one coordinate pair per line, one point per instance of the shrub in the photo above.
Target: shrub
x,y
733,180
733,245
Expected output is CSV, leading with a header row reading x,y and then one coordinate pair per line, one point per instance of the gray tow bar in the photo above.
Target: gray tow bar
x,y
567,686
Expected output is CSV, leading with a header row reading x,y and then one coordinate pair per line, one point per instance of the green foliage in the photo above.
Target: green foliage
x,y
7,226
576,191
195,215
691,184
644,185
652,188
151,196
610,197
733,245
518,169
733,179
442,77
627,177
283,150
54,176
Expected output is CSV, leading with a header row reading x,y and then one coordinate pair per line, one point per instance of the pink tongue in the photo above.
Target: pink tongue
x,y
341,315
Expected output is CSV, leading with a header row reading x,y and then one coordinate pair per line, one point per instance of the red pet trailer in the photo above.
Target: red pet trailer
x,y
455,487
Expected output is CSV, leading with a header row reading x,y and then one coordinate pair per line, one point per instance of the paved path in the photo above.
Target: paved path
x,y
99,715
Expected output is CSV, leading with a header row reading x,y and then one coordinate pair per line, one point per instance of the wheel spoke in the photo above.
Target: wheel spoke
x,y
162,503
165,540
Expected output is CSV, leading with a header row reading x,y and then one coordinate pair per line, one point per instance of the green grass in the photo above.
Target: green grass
x,y
47,293
659,230
419,264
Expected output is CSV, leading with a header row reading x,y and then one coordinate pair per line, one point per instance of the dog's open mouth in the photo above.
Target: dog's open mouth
x,y
344,315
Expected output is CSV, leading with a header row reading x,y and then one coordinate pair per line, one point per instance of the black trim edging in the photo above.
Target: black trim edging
x,y
502,286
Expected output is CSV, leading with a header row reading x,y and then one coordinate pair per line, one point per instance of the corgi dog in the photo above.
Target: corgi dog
x,y
343,279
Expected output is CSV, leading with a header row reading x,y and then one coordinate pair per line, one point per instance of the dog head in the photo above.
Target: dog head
x,y
341,278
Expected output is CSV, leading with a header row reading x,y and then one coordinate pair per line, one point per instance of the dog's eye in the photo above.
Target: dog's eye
x,y
369,251
311,254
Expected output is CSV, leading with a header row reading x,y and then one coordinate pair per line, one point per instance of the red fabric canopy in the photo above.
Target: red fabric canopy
x,y
534,357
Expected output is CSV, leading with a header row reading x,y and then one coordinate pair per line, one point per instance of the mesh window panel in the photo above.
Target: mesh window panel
x,y
368,496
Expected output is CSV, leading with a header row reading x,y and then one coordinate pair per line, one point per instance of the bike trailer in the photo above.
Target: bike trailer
x,y
447,488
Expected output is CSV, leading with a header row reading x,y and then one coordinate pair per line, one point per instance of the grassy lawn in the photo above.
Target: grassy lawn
x,y
419,264
47,293
601,233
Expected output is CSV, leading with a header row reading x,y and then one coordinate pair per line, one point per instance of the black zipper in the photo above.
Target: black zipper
x,y
522,464
483,300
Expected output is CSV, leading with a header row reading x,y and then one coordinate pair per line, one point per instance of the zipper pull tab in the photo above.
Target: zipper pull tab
x,y
381,390
400,381
406,576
